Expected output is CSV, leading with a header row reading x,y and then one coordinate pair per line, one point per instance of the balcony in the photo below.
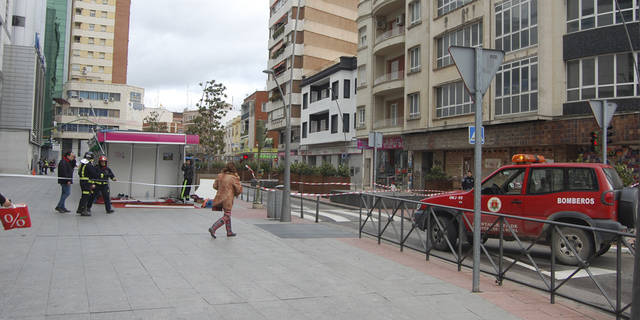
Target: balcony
x,y
394,32
390,122
392,76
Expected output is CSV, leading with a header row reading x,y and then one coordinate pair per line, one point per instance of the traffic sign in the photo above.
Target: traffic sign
x,y
472,134
465,60
600,107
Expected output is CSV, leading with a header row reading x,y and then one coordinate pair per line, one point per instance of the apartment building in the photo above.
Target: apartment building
x,y
252,113
559,55
84,110
324,31
22,85
328,116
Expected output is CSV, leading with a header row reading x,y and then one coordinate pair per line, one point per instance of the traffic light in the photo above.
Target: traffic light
x,y
594,141
245,157
610,133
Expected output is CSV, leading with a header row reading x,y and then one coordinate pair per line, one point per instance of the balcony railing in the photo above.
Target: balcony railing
x,y
390,122
394,32
392,76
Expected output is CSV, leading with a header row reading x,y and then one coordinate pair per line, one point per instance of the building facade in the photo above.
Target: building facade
x,y
328,117
324,31
22,85
252,113
559,55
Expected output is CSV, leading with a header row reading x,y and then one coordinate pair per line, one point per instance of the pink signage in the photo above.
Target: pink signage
x,y
147,137
387,143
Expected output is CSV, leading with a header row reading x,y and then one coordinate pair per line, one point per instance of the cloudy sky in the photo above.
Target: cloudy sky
x,y
173,47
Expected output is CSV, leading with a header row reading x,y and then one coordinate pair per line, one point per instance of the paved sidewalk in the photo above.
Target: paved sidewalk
x,y
162,264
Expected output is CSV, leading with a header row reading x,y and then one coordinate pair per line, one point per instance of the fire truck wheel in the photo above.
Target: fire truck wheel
x,y
579,239
603,249
438,236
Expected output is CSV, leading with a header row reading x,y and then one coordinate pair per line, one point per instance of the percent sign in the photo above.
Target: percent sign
x,y
14,221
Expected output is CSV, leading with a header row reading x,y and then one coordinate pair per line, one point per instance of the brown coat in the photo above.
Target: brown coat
x,y
228,186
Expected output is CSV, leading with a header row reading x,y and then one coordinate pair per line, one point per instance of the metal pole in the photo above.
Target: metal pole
x,y
635,304
317,207
604,131
375,156
477,180
286,196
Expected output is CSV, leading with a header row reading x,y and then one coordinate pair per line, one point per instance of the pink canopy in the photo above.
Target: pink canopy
x,y
147,137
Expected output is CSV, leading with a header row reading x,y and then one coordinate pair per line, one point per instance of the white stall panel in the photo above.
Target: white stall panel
x,y
144,164
119,156
168,171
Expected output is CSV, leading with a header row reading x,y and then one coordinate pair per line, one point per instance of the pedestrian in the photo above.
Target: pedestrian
x,y
228,185
4,202
65,179
187,170
468,181
102,183
88,175
45,166
52,166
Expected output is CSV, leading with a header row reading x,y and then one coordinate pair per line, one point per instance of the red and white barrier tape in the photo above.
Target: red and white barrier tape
x,y
323,183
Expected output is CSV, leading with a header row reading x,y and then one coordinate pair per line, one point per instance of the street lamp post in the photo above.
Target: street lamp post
x,y
285,215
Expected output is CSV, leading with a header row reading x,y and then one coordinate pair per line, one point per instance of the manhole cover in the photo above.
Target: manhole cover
x,y
305,231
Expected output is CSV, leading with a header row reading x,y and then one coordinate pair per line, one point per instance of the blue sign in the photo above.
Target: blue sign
x,y
472,134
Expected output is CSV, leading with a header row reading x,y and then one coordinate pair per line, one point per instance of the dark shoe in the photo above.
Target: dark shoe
x,y
110,211
212,233
59,210
65,210
231,234
85,214
89,210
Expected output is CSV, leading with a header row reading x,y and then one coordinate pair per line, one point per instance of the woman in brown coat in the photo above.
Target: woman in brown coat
x,y
229,187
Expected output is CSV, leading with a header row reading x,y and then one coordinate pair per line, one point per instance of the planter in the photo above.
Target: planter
x,y
440,184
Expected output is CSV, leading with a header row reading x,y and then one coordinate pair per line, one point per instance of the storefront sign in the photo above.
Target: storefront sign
x,y
388,143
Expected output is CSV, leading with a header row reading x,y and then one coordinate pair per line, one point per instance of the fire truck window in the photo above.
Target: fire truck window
x,y
582,179
507,181
546,180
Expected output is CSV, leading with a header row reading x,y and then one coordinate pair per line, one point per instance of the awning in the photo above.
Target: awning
x,y
148,137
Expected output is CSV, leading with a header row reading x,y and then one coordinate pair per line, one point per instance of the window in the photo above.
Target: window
x,y
362,75
445,6
76,53
414,105
101,55
304,130
581,179
354,121
414,59
79,11
345,122
104,14
334,123
517,87
516,24
360,117
469,36
92,27
101,69
414,12
90,54
452,100
347,89
335,87
103,42
546,180
75,67
76,39
588,14
605,76
507,181
393,114
92,13
305,101
103,28
77,25
362,37
91,40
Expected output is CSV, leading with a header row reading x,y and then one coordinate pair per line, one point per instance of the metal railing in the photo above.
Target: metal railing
x,y
391,76
383,225
394,32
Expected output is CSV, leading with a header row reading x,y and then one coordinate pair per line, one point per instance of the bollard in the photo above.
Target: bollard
x,y
301,207
317,207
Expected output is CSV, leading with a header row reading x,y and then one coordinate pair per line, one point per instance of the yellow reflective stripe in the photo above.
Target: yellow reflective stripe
x,y
86,192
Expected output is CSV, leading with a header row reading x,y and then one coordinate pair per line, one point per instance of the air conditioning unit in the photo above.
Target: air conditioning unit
x,y
381,22
400,20
111,99
80,99
106,100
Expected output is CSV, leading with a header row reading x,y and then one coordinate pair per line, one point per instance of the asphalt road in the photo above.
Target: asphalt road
x,y
581,285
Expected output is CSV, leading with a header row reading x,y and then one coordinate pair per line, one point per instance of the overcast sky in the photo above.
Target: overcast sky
x,y
174,45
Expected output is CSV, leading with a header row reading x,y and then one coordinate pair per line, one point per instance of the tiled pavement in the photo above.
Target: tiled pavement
x,y
162,264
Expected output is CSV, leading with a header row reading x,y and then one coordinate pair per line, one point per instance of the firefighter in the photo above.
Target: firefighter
x,y
88,175
102,183
187,169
